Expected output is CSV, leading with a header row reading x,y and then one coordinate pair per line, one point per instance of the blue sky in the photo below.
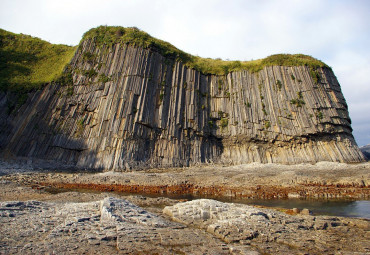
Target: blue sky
x,y
334,31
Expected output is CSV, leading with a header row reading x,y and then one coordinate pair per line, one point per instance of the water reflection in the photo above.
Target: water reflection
x,y
359,209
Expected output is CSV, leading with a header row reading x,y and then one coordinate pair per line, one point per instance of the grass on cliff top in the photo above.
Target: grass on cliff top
x,y
28,63
111,35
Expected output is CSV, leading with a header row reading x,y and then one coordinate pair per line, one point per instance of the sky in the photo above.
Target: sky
x,y
334,31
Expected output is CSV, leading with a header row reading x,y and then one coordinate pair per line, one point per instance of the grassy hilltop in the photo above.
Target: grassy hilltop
x,y
28,63
112,35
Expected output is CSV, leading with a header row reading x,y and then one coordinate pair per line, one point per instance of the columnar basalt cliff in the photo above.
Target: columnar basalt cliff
x,y
130,107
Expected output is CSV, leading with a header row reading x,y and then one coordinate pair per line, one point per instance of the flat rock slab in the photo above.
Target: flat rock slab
x,y
109,226
273,231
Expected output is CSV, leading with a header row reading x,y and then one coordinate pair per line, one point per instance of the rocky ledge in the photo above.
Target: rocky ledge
x,y
266,181
117,226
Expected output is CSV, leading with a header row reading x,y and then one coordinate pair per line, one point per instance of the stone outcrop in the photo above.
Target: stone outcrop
x,y
266,229
109,226
130,107
116,226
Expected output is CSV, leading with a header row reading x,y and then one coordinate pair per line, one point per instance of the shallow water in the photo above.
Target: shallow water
x,y
338,207
345,208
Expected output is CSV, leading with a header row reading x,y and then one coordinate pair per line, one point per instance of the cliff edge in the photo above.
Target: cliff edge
x,y
130,102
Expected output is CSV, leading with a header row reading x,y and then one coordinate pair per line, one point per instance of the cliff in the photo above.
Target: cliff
x,y
366,151
123,105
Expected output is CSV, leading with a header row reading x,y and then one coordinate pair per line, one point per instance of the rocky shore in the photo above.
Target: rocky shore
x,y
266,181
91,223
35,219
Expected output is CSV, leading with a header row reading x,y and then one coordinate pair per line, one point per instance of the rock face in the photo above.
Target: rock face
x,y
130,107
366,151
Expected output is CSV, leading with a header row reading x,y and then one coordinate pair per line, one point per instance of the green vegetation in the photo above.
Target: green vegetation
x,y
224,122
220,114
264,109
28,63
210,124
315,75
161,97
220,83
103,78
90,73
262,97
267,124
80,127
319,115
66,77
89,57
111,35
70,90
80,122
279,84
221,67
299,102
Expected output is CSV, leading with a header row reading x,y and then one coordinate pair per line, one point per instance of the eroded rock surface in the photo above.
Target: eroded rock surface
x,y
273,231
76,223
108,226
